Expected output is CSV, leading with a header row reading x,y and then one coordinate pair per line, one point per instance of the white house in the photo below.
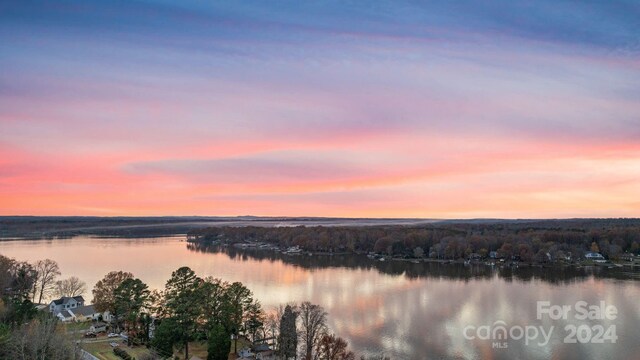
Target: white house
x,y
106,316
264,352
627,257
73,309
597,257
98,327
65,303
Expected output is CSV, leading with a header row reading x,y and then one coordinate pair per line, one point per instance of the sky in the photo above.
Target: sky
x,y
439,109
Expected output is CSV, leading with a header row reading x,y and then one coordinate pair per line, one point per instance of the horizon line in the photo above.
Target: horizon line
x,y
312,217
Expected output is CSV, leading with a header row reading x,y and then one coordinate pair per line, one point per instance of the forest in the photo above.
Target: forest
x,y
526,241
421,269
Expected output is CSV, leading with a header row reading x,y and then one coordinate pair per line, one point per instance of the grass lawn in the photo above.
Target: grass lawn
x,y
196,348
76,326
102,350
199,349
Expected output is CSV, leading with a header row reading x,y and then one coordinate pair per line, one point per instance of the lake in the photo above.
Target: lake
x,y
401,309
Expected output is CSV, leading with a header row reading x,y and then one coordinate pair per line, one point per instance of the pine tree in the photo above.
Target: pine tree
x,y
288,337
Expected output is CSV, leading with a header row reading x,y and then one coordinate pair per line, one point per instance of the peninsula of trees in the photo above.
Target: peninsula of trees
x,y
528,241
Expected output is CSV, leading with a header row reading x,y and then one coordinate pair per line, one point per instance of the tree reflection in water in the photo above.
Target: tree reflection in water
x,y
427,269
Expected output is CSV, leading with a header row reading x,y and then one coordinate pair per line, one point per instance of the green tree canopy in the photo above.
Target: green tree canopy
x,y
131,298
183,303
219,343
288,336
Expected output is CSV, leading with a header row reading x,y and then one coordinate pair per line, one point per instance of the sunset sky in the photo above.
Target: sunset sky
x,y
330,108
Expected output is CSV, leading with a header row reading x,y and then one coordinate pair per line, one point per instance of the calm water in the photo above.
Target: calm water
x,y
405,310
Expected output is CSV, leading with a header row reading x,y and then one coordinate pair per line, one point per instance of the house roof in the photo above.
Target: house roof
x,y
65,314
63,300
85,310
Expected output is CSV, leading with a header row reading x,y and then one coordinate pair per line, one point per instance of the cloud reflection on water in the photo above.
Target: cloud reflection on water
x,y
407,311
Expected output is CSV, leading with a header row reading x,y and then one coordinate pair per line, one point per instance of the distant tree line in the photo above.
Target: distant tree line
x,y
529,241
416,270
48,227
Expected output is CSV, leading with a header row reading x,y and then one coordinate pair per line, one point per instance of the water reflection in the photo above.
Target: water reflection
x,y
405,310
419,311
554,275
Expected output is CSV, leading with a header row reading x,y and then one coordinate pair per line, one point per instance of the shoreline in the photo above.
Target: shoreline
x,y
375,258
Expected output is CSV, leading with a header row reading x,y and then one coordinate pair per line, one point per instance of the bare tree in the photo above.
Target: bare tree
x,y
70,287
16,278
36,283
103,291
6,273
47,271
41,339
272,322
313,320
331,347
